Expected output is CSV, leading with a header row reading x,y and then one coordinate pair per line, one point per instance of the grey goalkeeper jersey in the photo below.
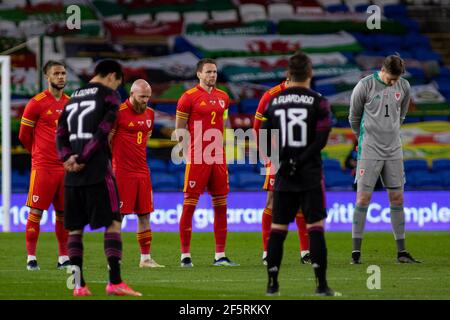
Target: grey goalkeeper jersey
x,y
376,114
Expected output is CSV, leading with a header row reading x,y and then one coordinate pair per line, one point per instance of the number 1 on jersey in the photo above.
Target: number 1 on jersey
x,y
387,111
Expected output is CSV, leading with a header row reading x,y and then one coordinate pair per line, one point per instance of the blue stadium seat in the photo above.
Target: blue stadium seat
x,y
331,164
435,118
337,8
410,119
245,167
166,107
250,180
249,105
19,182
426,55
425,180
233,108
410,24
395,11
326,90
361,8
415,40
157,165
445,179
415,165
171,167
441,165
233,181
338,180
416,72
164,182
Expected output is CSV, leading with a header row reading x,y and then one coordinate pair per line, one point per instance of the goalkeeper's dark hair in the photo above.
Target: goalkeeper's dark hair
x,y
107,66
52,63
394,65
204,61
299,67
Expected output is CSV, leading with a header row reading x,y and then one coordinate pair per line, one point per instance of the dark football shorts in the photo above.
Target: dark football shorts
x,y
96,205
286,204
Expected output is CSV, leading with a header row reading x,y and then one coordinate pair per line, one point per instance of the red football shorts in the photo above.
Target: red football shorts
x,y
213,176
135,194
46,187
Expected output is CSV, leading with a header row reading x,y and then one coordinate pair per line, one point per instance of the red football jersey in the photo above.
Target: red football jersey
x,y
197,106
129,141
264,102
38,129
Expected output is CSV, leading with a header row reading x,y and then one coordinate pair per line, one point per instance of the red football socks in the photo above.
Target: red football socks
x,y
220,222
145,240
190,202
266,226
302,232
62,236
32,232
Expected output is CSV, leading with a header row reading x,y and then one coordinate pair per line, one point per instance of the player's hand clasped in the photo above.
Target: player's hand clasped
x,y
71,164
288,168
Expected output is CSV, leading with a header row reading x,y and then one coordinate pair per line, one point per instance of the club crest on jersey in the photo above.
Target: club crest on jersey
x,y
149,123
361,172
191,184
35,198
271,181
397,96
222,103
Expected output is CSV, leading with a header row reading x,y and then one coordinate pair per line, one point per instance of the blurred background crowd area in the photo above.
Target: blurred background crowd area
x,y
251,40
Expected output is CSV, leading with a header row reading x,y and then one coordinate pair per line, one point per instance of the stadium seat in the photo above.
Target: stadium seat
x,y
337,8
164,182
252,12
338,180
411,165
157,165
250,180
393,11
277,11
245,167
195,16
233,181
331,164
410,119
445,179
425,180
441,165
233,108
224,15
353,4
435,118
19,182
139,18
166,107
249,105
171,167
168,16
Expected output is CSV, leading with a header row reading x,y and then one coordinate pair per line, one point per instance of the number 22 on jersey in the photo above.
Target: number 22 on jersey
x,y
87,107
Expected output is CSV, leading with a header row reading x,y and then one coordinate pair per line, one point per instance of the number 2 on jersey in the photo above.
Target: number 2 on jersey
x,y
213,119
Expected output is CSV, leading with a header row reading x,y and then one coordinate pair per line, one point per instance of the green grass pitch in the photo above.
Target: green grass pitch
x,y
429,280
